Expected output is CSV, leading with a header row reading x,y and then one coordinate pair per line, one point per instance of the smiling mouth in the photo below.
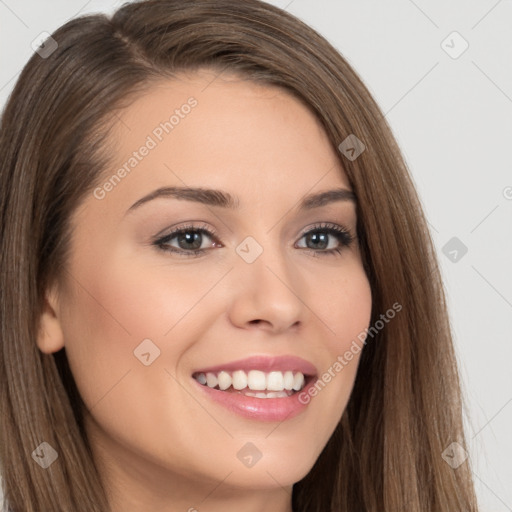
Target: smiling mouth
x,y
255,383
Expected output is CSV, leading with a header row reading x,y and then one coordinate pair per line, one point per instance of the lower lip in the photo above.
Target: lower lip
x,y
262,409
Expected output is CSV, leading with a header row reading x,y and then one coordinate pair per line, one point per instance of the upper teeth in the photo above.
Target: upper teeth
x,y
254,379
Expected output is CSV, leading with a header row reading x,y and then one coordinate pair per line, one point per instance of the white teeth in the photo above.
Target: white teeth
x,y
239,379
288,380
211,380
277,394
256,380
272,394
298,381
224,380
277,383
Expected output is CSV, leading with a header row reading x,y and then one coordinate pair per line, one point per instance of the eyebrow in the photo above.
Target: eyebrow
x,y
223,199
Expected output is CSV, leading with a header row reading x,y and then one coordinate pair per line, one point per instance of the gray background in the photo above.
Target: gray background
x,y
453,120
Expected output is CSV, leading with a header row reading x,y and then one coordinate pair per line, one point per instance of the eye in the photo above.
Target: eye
x,y
328,238
187,240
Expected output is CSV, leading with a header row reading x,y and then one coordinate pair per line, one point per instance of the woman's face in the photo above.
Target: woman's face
x,y
255,291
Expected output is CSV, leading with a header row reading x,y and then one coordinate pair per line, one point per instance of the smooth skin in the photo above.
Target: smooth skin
x,y
160,443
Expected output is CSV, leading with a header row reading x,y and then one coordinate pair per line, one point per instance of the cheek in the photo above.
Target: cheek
x,y
152,299
345,310
120,305
345,305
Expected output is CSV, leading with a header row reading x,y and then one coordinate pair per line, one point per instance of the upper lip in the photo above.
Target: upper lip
x,y
264,363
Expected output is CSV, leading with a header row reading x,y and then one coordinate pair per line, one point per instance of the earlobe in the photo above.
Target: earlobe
x,y
50,336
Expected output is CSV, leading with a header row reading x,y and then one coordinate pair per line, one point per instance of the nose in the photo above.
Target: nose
x,y
267,293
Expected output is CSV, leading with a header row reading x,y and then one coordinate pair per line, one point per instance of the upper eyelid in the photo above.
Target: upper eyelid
x,y
184,226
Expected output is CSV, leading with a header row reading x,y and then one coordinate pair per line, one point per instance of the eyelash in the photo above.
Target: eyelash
x,y
343,235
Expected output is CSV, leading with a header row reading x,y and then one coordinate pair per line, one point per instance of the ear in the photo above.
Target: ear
x,y
50,337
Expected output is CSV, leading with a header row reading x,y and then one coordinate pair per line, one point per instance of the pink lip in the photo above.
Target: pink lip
x,y
265,364
262,409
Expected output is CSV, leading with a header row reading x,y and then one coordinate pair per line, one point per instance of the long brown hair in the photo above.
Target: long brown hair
x,y
406,405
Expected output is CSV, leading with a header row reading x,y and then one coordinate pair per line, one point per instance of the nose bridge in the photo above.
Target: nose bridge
x,y
266,284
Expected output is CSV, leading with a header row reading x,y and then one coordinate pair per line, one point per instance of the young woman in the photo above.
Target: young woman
x,y
218,287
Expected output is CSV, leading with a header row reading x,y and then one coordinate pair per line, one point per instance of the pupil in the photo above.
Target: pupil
x,y
316,238
194,238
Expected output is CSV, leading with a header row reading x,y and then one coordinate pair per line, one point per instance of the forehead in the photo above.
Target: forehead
x,y
200,129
